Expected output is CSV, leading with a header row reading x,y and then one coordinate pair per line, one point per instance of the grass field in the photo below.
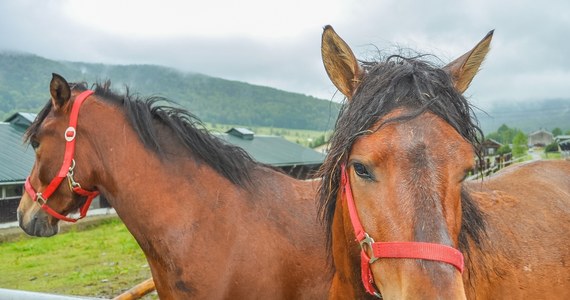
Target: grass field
x,y
101,261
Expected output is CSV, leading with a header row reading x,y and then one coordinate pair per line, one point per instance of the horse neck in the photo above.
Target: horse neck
x,y
139,184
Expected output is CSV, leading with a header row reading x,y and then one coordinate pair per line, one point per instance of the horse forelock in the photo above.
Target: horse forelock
x,y
145,114
416,86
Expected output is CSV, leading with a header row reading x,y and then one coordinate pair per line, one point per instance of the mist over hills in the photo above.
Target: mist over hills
x,y
24,86
24,82
527,116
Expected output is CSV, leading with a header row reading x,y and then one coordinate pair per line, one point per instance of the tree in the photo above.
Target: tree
x,y
551,148
556,131
504,149
504,134
320,140
520,142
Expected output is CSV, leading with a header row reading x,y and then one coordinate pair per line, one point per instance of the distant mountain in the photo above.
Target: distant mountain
x,y
24,82
527,116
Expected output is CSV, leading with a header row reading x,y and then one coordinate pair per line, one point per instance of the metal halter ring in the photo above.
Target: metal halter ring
x,y
367,242
70,179
40,200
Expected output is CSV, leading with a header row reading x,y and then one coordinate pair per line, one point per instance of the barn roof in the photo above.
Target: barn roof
x,y
491,143
272,150
562,138
16,159
24,119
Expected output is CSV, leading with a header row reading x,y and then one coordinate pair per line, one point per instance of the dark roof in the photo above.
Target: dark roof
x,y
273,150
16,159
562,138
23,119
491,143
243,133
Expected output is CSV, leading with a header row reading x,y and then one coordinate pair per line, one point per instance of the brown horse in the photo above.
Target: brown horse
x,y
212,223
395,172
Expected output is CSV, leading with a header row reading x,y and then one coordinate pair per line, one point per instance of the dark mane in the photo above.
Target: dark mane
x,y
399,82
145,116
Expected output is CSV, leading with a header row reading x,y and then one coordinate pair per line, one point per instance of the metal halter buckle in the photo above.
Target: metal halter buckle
x,y
367,242
40,200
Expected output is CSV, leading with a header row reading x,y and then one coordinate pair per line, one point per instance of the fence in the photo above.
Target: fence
x,y
489,165
134,293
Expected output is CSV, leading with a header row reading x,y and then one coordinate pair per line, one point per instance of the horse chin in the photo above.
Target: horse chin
x,y
38,225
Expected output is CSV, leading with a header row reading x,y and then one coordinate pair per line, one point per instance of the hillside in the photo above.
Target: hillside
x,y
527,116
24,81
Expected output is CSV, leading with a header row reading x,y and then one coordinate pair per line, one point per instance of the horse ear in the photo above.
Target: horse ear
x,y
340,63
59,90
463,69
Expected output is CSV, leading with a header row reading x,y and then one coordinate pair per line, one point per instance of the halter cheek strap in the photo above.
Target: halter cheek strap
x,y
66,170
416,250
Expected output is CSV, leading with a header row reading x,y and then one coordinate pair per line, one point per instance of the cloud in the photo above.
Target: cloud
x,y
278,44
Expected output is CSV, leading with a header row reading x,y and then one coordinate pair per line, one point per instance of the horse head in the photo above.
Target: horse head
x,y
404,142
54,187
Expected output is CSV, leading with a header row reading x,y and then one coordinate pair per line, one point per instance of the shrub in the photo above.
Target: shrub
x,y
504,150
551,148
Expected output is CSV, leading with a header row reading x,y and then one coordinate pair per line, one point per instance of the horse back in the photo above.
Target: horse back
x,y
527,253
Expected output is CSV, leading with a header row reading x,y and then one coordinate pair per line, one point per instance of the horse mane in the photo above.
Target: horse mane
x,y
418,86
146,114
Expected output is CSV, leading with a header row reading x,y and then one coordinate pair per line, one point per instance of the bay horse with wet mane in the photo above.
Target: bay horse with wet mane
x,y
403,222
212,222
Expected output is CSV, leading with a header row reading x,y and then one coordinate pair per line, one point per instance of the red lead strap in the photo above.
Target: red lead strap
x,y
66,169
416,250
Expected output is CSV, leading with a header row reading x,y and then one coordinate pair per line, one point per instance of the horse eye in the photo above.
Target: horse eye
x,y
35,144
361,171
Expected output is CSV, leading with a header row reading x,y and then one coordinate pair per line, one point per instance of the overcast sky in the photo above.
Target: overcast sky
x,y
277,43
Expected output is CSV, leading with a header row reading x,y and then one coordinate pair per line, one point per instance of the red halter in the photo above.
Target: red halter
x,y
418,250
66,170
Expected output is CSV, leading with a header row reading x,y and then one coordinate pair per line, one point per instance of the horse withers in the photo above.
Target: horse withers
x,y
212,223
403,222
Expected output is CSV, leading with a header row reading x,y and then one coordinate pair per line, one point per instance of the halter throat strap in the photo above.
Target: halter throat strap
x,y
414,250
66,170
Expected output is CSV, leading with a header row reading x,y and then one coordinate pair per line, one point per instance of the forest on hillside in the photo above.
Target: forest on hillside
x,y
24,82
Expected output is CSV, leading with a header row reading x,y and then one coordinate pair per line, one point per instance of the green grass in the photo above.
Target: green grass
x,y
102,261
552,155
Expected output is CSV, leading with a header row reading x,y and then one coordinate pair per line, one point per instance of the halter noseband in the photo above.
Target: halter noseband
x,y
417,250
66,170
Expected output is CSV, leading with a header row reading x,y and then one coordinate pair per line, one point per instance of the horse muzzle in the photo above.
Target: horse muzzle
x,y
37,224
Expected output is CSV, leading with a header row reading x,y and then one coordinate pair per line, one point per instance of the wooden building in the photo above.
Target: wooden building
x,y
16,161
540,138
490,147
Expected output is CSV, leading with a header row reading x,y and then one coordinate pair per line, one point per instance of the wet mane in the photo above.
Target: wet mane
x,y
417,86
145,116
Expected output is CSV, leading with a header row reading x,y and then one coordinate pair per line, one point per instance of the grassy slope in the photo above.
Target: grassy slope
x,y
102,261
